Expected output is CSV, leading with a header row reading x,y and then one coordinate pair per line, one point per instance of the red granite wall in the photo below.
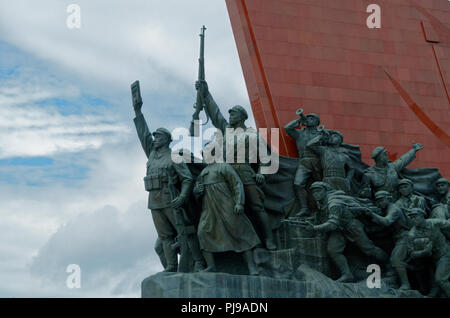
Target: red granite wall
x,y
387,86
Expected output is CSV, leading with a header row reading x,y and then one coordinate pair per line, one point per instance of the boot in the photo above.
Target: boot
x,y
249,260
302,196
171,257
160,251
209,258
346,274
403,276
194,247
268,234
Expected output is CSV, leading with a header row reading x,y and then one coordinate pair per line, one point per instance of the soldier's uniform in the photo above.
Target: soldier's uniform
x,y
349,228
412,201
444,200
440,249
333,162
161,168
309,161
399,225
345,227
254,196
384,179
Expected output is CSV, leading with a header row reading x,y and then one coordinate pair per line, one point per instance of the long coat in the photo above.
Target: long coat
x,y
220,229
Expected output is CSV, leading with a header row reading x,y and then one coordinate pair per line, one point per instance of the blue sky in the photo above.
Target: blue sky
x,y
71,166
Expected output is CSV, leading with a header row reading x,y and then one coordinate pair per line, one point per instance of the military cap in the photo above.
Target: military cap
x,y
163,131
335,132
415,211
382,194
315,116
405,181
319,184
441,180
377,151
240,109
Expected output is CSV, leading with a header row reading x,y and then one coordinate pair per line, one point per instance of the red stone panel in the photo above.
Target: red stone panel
x,y
320,55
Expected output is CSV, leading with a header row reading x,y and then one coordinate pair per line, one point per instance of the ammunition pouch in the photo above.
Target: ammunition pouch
x,y
334,173
155,182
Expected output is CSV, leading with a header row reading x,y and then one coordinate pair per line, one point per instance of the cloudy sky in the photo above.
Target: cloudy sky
x,y
71,166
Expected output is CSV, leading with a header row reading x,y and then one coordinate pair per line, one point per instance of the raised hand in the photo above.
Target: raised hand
x,y
417,147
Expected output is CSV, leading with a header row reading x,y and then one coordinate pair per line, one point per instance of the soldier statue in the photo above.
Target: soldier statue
x,y
162,172
235,129
443,192
399,224
309,162
343,226
223,225
336,165
384,175
425,240
408,199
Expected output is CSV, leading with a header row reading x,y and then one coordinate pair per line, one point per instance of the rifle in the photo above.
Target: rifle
x,y
200,103
185,229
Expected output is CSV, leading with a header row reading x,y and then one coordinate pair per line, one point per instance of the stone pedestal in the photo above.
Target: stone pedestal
x,y
308,284
299,268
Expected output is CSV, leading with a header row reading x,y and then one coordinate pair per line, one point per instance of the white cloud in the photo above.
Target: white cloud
x,y
120,41
28,129
113,249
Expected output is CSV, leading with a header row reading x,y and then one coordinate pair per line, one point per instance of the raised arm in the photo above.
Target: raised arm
x,y
143,133
211,107
315,144
407,158
290,128
142,130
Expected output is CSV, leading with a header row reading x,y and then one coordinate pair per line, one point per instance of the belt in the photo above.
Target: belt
x,y
334,173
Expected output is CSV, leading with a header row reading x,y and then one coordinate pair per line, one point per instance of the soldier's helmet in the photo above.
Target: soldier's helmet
x,y
239,109
163,131
335,132
382,194
314,116
416,211
377,151
441,181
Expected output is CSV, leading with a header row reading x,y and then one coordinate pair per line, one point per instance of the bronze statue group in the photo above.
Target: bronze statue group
x,y
216,207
